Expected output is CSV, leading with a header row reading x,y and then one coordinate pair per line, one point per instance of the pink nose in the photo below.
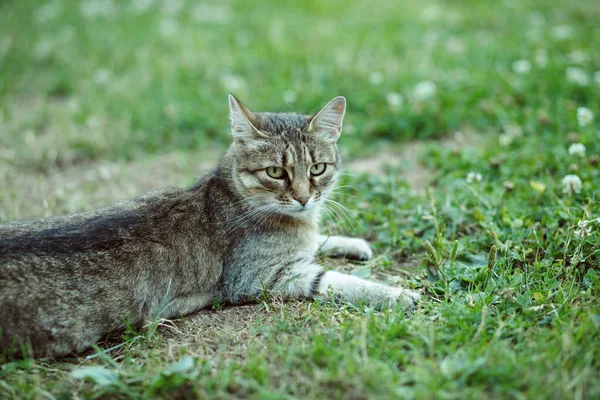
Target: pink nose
x,y
302,200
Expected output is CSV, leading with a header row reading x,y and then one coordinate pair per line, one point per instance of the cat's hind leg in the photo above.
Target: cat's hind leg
x,y
342,246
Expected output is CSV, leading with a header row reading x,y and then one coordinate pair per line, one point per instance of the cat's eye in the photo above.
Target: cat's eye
x,y
276,172
318,169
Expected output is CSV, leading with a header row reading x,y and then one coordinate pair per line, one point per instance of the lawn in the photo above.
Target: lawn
x,y
472,144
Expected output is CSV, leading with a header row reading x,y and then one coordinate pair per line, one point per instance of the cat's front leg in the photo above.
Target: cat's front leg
x,y
356,290
342,246
307,279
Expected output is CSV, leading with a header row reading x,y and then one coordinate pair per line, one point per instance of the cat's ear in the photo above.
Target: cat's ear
x,y
328,121
244,124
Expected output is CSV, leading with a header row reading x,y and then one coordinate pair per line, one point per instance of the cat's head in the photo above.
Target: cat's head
x,y
286,163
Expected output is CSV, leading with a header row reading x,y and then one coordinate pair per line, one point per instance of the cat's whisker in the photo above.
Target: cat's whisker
x,y
330,215
335,192
337,216
345,211
346,186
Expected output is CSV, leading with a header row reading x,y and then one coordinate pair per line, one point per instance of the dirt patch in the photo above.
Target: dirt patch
x,y
404,160
29,194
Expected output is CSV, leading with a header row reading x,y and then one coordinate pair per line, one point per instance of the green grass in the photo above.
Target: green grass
x,y
128,87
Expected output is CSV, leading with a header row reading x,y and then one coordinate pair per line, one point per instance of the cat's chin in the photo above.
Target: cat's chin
x,y
299,213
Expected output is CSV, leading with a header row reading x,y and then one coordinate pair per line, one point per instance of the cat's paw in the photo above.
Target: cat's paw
x,y
351,248
407,298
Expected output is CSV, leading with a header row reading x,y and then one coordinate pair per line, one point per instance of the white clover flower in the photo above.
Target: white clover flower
x,y
44,48
571,184
168,27
578,76
424,90
584,228
289,96
511,132
473,177
578,57
48,11
376,78
505,140
561,32
514,131
521,67
541,58
233,83
97,8
455,46
171,7
141,6
395,100
585,116
212,13
101,76
577,149
432,13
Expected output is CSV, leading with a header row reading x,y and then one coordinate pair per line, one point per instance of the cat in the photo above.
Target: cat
x,y
250,225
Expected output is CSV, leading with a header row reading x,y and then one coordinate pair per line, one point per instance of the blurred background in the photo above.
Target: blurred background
x,y
89,80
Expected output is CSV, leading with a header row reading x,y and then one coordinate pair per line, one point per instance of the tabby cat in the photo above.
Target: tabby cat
x,y
249,225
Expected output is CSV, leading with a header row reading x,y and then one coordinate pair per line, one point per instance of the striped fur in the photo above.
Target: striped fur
x,y
67,281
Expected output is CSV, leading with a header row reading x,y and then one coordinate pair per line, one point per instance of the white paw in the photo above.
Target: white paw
x,y
353,248
408,298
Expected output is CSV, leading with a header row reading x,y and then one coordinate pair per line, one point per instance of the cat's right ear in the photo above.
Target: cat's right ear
x,y
328,121
244,124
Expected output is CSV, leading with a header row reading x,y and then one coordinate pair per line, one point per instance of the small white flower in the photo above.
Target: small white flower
x,y
171,7
505,140
473,177
48,11
432,13
97,8
395,100
577,149
424,90
514,131
455,46
577,76
212,13
521,67
376,78
578,57
101,76
289,96
585,116
142,6
511,132
537,19
44,48
562,32
584,228
168,27
541,58
233,83
572,184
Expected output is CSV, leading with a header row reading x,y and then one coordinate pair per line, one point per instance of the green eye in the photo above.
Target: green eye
x,y
318,169
276,172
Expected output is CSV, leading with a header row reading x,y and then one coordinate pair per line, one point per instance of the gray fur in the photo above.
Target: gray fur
x,y
67,281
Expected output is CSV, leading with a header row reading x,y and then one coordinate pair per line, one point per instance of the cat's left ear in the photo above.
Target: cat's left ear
x,y
328,121
244,124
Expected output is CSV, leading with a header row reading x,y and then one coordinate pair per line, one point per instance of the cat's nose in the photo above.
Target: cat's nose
x,y
302,199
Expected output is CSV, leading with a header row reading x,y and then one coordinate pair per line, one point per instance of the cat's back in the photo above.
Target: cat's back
x,y
96,230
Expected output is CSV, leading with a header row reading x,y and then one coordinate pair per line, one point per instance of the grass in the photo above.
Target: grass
x,y
103,100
